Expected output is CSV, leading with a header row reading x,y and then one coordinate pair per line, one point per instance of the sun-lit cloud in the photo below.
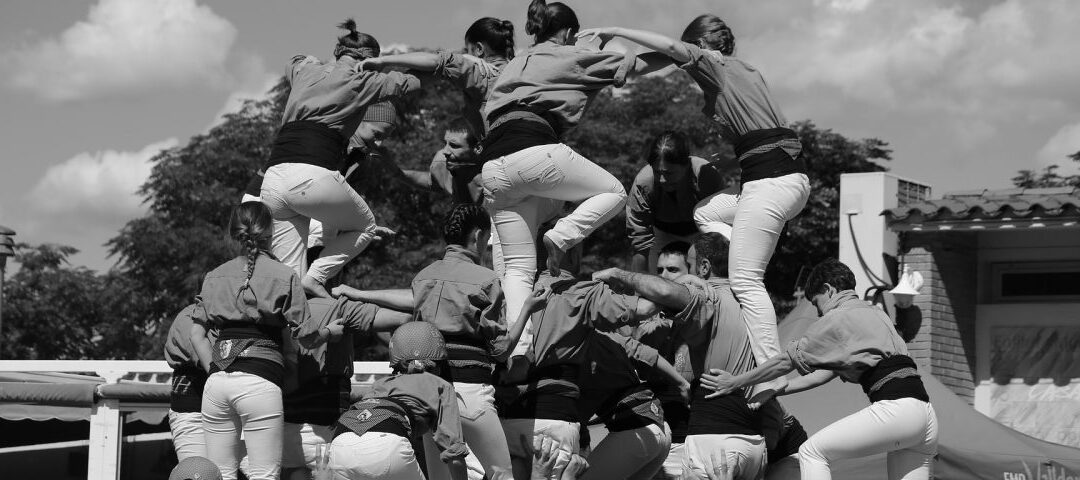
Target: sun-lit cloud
x,y
1064,142
96,184
128,46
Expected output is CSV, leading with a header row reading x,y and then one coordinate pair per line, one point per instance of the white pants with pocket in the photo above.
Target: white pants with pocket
x,y
298,193
519,186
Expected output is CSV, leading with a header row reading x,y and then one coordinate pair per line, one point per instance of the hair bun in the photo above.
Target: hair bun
x,y
349,25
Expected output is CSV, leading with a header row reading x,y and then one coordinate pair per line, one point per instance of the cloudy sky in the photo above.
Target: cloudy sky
x,y
966,92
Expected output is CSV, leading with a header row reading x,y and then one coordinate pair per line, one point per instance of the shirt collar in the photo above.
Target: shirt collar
x,y
461,254
842,299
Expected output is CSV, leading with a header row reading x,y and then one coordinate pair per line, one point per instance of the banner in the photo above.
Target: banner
x,y
1036,388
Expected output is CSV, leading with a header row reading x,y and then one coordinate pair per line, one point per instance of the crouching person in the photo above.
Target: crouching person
x,y
372,438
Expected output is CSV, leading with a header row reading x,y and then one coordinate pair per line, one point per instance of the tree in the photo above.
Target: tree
x,y
1047,177
52,310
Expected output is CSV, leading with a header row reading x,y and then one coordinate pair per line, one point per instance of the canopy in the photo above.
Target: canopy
x,y
971,445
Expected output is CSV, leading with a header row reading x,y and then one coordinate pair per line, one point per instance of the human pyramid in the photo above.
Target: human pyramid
x,y
498,374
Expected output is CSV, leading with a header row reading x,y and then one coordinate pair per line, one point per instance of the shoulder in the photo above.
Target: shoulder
x,y
644,176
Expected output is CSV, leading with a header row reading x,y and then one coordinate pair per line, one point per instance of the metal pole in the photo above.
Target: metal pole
x,y
3,263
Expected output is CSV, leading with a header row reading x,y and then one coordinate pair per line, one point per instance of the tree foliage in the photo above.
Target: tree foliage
x,y
164,255
1047,177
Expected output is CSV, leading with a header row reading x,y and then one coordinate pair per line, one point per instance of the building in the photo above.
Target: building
x,y
1001,299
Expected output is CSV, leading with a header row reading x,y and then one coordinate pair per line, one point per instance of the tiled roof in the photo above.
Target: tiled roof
x,y
990,205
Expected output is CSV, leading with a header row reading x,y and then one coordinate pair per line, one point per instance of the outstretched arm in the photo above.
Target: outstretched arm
x,y
422,61
806,382
667,46
664,292
397,298
724,383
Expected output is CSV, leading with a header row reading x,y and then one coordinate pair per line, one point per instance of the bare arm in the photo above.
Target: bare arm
x,y
653,288
396,298
811,380
724,383
666,368
201,344
387,320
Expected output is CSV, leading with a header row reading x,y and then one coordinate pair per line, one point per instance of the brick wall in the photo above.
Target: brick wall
x,y
945,343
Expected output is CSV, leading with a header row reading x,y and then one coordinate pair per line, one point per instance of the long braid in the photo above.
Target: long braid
x,y
251,226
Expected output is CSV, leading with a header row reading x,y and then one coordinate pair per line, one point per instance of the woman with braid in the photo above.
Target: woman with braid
x,y
255,304
326,104
774,183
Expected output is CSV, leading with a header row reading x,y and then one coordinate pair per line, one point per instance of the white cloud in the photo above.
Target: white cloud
x,y
256,88
126,46
99,185
1065,142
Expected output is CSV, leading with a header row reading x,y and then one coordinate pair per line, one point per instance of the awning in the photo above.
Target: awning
x,y
990,209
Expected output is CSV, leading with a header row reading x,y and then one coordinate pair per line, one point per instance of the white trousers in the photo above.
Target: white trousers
x,y
744,459
635,454
753,219
520,433
298,193
520,186
374,455
235,402
187,434
906,428
482,431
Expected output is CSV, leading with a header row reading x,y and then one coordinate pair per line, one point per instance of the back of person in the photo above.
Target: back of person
x,y
555,82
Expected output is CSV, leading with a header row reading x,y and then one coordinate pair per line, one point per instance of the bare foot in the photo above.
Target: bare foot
x,y
313,288
554,256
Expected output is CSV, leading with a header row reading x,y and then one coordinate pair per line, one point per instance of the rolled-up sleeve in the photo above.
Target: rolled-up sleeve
x,y
707,64
606,309
824,346
373,87
637,351
492,324
466,72
602,68
447,435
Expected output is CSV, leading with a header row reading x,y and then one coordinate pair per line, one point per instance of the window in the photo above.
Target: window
x,y
1036,282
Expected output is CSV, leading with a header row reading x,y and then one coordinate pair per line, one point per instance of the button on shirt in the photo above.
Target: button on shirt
x,y
721,324
736,95
463,298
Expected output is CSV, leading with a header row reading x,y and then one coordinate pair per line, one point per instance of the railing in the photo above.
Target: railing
x,y
106,417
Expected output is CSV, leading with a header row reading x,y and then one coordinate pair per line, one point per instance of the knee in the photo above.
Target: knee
x,y
743,282
809,451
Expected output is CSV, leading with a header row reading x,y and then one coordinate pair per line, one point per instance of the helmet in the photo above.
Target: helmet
x,y
416,341
195,468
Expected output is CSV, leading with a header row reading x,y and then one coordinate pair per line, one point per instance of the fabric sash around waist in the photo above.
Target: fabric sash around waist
x,y
228,350
550,393
634,407
769,153
310,142
724,415
893,378
187,388
384,414
515,131
469,359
